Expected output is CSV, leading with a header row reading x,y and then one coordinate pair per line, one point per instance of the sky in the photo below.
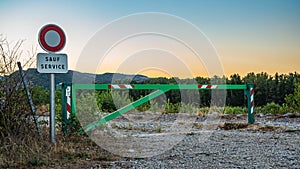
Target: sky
x,y
248,36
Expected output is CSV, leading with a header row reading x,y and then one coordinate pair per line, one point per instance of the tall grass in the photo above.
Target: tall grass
x,y
31,151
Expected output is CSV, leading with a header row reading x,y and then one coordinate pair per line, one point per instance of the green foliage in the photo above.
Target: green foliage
x,y
218,109
155,107
40,96
188,108
58,108
258,110
171,107
105,101
272,108
293,100
271,88
73,126
144,107
202,111
86,102
87,107
14,108
235,110
120,98
35,161
158,129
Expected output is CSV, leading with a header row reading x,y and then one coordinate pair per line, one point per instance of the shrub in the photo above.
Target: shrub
x,y
235,110
155,106
188,108
144,107
202,111
14,108
87,107
293,101
271,108
171,107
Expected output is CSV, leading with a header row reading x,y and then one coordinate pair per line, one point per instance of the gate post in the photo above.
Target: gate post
x,y
66,105
250,102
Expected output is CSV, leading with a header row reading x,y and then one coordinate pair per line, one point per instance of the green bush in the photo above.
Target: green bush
x,y
202,111
171,107
235,110
292,101
155,106
58,108
271,108
258,110
188,108
87,107
105,101
119,98
144,107
220,110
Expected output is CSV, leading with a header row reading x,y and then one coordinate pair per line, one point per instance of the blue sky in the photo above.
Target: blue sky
x,y
257,35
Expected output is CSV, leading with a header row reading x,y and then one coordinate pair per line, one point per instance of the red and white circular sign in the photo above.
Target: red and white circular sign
x,y
52,38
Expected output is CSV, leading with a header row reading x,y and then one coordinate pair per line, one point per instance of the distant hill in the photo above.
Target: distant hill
x,y
42,79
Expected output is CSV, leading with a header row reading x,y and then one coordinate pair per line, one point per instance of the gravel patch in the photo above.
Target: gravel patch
x,y
250,147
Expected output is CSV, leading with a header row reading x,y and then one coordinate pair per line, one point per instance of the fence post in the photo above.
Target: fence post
x,y
250,103
73,99
65,105
30,102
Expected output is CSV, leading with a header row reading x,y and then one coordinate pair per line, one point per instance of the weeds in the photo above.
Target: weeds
x,y
235,110
32,151
272,108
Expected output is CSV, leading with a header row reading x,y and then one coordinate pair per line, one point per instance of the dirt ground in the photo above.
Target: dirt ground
x,y
154,140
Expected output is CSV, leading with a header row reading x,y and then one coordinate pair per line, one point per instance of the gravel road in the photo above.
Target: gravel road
x,y
273,142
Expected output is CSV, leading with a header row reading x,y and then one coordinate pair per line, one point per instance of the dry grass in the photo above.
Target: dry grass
x,y
30,151
233,126
250,127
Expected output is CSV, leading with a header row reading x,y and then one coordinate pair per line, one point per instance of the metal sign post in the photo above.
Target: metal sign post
x,y
52,108
52,39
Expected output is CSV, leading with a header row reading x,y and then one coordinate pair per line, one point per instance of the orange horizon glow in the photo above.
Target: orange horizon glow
x,y
248,36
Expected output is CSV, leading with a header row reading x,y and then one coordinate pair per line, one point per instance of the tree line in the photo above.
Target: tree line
x,y
268,88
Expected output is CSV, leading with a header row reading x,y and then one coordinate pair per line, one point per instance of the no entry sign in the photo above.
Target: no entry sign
x,y
52,38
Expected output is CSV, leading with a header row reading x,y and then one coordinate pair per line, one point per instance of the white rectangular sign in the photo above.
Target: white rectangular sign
x,y
52,63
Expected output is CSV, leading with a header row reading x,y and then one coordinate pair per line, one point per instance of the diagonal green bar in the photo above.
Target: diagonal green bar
x,y
124,109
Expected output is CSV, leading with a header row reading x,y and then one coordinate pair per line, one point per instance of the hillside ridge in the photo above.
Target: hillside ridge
x,y
43,79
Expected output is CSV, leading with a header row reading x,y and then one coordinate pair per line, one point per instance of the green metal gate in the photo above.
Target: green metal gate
x,y
69,97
